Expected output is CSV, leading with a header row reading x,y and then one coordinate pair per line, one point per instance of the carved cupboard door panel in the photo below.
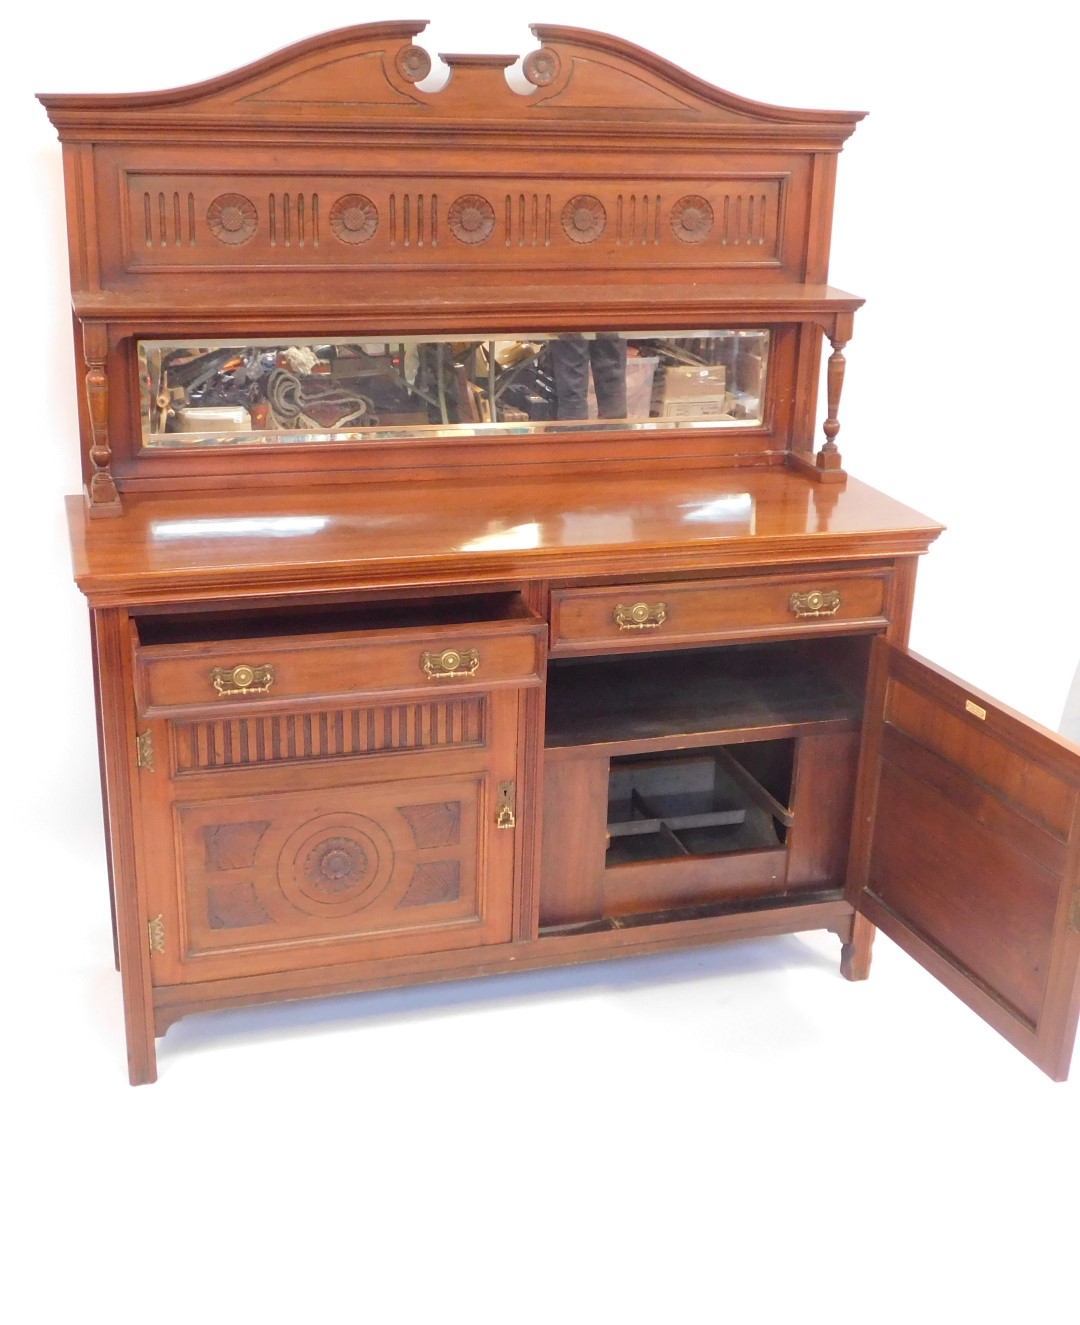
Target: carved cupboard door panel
x,y
278,842
967,850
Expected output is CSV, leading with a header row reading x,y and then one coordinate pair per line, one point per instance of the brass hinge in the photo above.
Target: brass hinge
x,y
156,928
1074,911
504,815
144,750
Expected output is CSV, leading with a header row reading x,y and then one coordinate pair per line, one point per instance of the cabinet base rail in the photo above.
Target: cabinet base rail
x,y
627,937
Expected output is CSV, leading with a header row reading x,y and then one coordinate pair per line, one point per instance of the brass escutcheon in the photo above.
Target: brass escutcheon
x,y
818,602
504,815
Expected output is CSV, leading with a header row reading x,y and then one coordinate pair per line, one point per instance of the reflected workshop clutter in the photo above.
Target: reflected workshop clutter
x,y
271,391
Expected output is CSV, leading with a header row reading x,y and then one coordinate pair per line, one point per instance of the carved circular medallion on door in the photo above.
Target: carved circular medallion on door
x,y
584,218
335,864
692,218
472,218
354,218
232,218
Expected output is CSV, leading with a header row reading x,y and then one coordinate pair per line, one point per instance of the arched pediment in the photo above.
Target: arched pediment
x,y
370,74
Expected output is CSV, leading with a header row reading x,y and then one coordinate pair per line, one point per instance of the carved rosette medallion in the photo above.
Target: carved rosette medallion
x,y
335,864
541,67
584,219
354,218
472,218
692,218
232,218
413,63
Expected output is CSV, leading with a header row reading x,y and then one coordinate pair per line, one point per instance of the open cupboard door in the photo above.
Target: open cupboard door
x,y
966,850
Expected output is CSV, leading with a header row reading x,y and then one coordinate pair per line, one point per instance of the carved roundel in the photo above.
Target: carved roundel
x,y
471,218
232,218
692,218
354,218
541,67
335,864
584,218
413,63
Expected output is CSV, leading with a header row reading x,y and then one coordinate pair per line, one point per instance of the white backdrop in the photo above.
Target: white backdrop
x,y
635,1142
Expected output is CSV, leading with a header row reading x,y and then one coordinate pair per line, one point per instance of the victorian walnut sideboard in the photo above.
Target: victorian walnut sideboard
x,y
466,591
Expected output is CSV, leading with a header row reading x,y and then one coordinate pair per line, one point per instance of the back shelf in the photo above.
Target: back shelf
x,y
644,702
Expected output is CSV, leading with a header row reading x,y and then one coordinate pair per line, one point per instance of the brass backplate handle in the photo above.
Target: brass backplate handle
x,y
640,616
817,602
450,663
242,679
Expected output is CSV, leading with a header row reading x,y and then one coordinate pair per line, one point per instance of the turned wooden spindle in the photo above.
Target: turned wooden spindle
x,y
104,499
829,456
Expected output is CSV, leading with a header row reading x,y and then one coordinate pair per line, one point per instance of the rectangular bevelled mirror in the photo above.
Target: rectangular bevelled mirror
x,y
210,393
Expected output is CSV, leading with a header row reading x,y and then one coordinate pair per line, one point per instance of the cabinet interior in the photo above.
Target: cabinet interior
x,y
268,622
698,779
698,803
657,700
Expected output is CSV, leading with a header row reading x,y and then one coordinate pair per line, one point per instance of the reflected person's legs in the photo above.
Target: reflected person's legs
x,y
570,360
608,355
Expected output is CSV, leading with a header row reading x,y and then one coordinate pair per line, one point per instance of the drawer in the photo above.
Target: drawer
x,y
271,673
646,616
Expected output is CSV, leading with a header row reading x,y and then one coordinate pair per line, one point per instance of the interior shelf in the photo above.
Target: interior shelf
x,y
643,702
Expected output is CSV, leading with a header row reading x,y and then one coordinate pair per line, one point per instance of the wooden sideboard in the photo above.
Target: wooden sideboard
x,y
467,593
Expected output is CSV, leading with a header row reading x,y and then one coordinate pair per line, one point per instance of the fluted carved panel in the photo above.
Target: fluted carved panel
x,y
235,906
437,825
331,734
368,220
433,882
233,846
169,219
293,219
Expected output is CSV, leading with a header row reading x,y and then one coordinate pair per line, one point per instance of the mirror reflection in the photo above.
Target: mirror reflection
x,y
213,393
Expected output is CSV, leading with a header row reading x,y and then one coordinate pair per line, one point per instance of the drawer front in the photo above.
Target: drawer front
x,y
281,673
647,616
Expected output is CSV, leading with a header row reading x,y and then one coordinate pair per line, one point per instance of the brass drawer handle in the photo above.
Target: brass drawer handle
x,y
450,663
818,602
242,680
640,616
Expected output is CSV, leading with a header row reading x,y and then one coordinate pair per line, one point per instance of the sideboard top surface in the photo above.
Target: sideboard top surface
x,y
169,547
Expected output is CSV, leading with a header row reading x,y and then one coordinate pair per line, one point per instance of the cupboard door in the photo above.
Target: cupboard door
x,y
283,853
967,850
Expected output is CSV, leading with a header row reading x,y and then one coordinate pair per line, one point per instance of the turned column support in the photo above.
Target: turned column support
x,y
838,335
101,489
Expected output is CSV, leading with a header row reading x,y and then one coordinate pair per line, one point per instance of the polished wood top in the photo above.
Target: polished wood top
x,y
326,539
454,306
